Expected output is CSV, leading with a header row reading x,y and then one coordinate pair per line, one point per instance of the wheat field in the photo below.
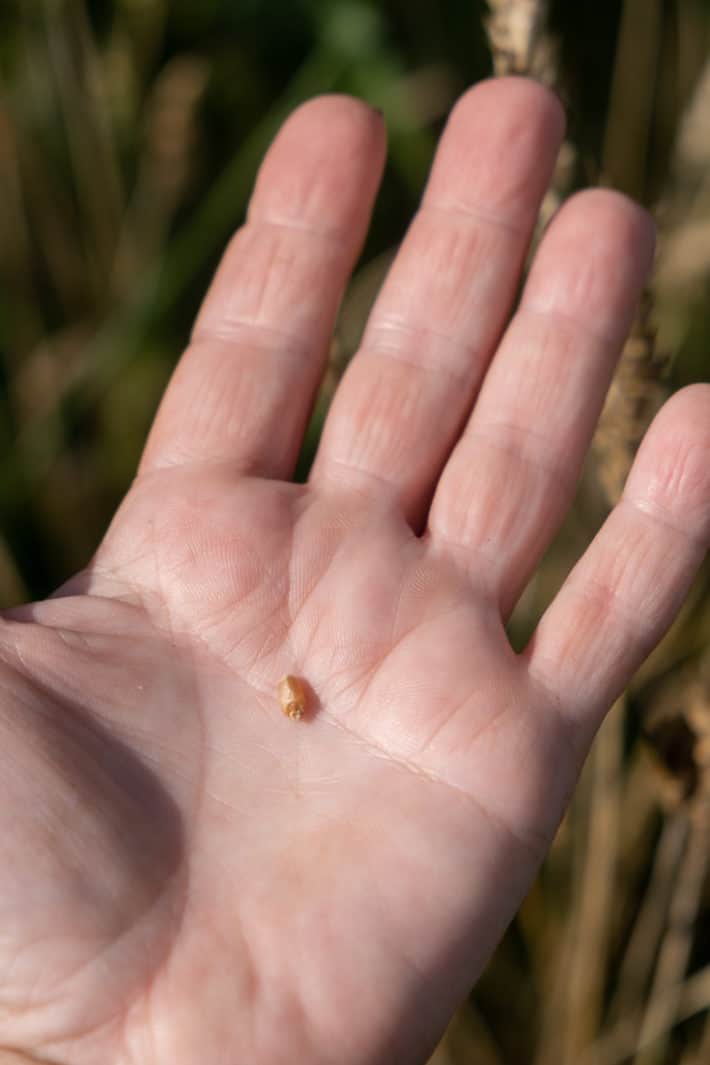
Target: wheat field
x,y
130,131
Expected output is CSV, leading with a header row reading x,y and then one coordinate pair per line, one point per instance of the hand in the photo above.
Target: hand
x,y
188,877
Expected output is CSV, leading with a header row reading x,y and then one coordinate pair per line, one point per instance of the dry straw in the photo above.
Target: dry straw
x,y
520,43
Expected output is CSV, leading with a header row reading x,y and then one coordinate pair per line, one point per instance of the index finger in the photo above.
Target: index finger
x,y
243,390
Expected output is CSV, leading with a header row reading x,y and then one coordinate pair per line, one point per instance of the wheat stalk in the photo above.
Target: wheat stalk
x,y
635,395
520,43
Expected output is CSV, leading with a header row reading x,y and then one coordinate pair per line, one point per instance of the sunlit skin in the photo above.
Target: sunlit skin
x,y
188,877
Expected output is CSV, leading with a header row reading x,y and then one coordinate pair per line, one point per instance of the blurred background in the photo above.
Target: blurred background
x,y
130,131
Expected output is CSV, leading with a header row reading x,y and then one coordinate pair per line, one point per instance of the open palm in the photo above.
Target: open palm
x,y
186,875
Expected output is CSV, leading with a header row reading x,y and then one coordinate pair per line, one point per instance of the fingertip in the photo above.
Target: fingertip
x,y
598,213
634,224
335,116
692,402
517,93
326,161
498,150
671,474
593,262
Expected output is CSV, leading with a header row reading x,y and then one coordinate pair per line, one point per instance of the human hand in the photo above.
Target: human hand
x,y
187,877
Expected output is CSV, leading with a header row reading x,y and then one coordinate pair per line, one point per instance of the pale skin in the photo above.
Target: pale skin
x,y
189,877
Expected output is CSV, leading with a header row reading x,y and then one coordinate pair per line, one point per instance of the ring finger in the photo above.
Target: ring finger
x,y
513,473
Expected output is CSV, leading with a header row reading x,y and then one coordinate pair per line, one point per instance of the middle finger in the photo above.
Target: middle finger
x,y
406,394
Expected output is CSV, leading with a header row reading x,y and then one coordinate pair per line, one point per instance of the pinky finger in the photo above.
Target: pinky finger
x,y
625,591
